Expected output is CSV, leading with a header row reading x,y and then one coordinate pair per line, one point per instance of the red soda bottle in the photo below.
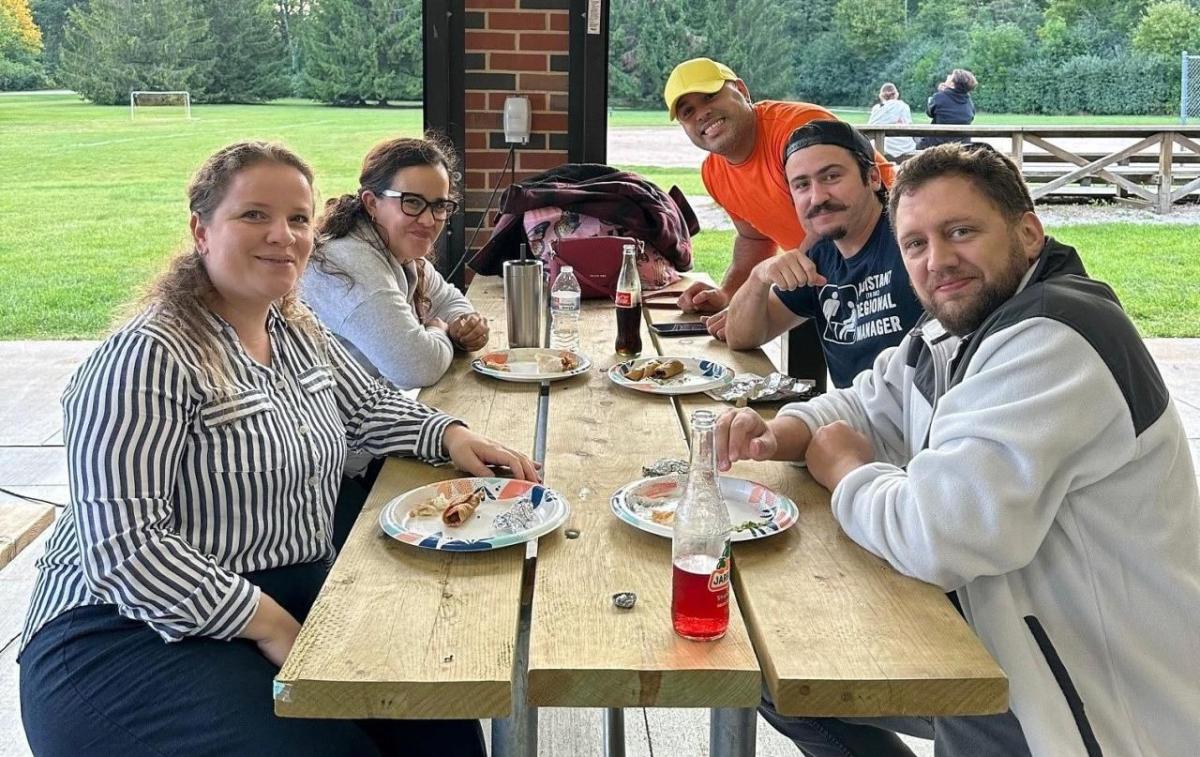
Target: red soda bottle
x,y
700,544
629,305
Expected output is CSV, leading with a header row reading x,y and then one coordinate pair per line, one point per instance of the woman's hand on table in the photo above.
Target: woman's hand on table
x,y
273,629
469,331
438,324
473,454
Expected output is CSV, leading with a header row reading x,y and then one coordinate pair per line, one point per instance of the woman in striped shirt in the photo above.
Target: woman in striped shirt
x,y
205,442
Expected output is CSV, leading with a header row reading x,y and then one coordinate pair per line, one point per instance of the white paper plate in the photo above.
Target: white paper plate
x,y
698,376
754,510
523,366
549,511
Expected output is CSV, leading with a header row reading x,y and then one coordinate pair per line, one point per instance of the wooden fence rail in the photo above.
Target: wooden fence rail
x,y
1140,164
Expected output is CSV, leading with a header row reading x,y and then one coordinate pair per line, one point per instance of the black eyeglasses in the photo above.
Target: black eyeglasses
x,y
412,204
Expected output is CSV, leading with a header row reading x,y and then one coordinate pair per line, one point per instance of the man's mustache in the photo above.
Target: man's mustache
x,y
825,207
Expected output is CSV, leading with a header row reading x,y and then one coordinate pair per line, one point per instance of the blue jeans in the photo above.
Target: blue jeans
x,y
96,683
965,736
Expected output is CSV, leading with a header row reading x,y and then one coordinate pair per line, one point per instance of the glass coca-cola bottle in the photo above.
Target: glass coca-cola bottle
x,y
629,305
700,556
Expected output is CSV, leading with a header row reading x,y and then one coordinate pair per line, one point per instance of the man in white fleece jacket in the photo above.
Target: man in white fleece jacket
x,y
1018,449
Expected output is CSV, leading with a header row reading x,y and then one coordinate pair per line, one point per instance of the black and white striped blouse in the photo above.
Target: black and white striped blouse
x,y
177,487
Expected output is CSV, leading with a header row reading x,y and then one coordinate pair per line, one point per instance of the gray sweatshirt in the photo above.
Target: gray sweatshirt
x,y
375,318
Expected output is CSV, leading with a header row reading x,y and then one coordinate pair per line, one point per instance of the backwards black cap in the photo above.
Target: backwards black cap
x,y
837,133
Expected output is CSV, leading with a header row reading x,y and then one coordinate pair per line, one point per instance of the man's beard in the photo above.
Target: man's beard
x,y
961,317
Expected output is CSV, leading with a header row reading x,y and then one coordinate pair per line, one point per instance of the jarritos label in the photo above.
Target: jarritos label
x,y
626,299
718,582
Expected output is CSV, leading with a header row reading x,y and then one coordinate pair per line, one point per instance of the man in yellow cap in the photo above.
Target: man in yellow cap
x,y
743,171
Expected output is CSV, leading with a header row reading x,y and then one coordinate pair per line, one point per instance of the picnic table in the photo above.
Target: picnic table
x,y
830,629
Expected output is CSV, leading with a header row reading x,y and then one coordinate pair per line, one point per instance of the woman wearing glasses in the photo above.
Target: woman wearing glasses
x,y
370,280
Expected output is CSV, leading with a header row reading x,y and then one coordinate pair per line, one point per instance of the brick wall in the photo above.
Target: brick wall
x,y
513,47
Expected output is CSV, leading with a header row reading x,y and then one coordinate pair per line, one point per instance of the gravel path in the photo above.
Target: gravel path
x,y
669,147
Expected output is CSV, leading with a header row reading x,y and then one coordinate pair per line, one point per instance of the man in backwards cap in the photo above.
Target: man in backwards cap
x,y
851,281
743,172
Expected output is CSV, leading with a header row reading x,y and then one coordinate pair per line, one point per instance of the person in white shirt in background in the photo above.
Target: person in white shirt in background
x,y
892,110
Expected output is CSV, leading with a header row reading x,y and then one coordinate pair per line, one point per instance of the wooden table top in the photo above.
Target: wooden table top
x,y
584,652
838,631
409,633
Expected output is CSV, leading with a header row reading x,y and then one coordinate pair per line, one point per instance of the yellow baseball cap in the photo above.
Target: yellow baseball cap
x,y
695,75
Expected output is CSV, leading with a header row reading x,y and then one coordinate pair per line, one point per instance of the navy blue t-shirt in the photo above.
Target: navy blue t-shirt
x,y
867,306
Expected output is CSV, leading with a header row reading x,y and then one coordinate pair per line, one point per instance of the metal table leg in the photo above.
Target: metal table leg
x,y
517,735
732,732
614,732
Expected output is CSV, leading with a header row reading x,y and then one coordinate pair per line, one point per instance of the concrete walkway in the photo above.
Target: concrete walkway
x,y
32,462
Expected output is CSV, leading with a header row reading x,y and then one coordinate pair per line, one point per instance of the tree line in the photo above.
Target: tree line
x,y
1030,56
341,52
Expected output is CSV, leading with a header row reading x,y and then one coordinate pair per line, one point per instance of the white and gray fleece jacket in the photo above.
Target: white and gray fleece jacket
x,y
1039,470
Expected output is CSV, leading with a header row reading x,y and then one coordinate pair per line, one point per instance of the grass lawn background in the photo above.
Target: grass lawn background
x,y
92,202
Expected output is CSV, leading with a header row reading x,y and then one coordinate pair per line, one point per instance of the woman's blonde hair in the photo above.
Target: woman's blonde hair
x,y
344,215
181,293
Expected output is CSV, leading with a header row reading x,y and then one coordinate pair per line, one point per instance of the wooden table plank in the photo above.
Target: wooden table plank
x,y
583,651
844,634
402,632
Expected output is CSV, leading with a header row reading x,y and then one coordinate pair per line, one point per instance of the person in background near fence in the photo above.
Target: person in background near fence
x,y
890,109
204,442
370,280
852,281
742,172
952,105
1020,451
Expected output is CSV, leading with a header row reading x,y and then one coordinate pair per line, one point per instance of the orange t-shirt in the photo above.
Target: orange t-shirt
x,y
756,191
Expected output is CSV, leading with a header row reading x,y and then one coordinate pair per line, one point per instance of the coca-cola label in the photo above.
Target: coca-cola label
x,y
625,299
719,580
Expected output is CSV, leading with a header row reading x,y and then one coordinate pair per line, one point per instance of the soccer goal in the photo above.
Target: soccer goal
x,y
1189,90
143,98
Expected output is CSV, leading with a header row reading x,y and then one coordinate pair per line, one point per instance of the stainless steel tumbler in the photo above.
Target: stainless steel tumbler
x,y
524,303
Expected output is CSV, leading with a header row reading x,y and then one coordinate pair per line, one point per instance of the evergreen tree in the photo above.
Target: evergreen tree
x,y
358,51
51,17
111,47
646,41
289,17
650,37
250,62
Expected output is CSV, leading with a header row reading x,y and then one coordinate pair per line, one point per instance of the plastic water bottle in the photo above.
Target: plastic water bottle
x,y
564,311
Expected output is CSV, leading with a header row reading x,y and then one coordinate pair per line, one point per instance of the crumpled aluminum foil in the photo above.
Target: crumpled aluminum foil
x,y
624,600
517,518
665,466
750,387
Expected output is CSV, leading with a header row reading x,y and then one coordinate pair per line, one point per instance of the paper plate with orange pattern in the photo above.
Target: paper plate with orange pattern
x,y
755,511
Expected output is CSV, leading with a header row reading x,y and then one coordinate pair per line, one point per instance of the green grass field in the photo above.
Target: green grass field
x,y
92,203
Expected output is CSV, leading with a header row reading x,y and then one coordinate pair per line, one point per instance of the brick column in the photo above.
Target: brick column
x,y
513,47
